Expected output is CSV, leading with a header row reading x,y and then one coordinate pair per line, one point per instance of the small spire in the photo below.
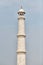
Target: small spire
x,y
21,6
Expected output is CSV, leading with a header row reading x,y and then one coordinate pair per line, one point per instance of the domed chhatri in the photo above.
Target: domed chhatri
x,y
21,11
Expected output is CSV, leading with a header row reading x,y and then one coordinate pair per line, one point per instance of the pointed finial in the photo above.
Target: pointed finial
x,y
21,11
21,6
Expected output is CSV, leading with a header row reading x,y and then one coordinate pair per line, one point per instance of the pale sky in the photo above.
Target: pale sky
x,y
34,31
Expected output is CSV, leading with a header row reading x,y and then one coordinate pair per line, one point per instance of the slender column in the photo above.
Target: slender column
x,y
21,51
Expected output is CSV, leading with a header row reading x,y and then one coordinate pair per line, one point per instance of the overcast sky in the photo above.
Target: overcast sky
x,y
34,31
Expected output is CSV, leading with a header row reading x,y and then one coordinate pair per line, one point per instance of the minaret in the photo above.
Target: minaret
x,y
21,51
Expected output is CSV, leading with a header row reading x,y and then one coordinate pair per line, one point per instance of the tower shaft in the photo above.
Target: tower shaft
x,y
21,51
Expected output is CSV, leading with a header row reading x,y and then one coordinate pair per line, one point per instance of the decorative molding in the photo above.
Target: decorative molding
x,y
21,35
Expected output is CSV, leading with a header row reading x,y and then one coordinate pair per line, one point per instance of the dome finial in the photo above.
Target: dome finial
x,y
21,11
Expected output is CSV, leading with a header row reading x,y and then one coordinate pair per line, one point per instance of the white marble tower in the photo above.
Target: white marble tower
x,y
21,51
